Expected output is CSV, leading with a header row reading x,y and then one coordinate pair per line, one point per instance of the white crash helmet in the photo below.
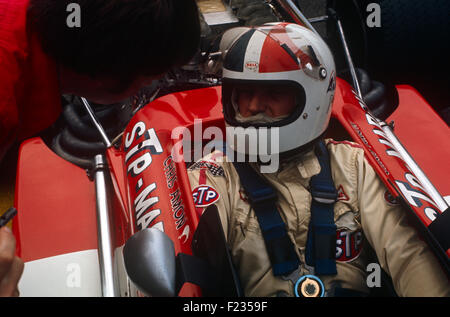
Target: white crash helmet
x,y
287,54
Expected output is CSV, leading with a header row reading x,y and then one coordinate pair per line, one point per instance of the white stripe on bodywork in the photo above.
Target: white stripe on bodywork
x,y
67,275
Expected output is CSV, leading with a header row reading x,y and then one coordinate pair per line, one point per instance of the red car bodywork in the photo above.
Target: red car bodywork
x,y
56,200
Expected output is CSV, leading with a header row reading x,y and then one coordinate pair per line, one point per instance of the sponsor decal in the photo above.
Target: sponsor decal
x,y
409,188
170,171
253,66
177,208
137,159
143,202
348,245
213,168
342,195
369,148
139,146
204,196
185,234
176,201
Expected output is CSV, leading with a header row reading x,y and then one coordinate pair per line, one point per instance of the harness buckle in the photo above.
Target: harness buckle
x,y
324,196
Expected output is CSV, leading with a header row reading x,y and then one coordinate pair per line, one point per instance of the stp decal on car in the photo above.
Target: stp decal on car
x,y
137,159
348,245
204,196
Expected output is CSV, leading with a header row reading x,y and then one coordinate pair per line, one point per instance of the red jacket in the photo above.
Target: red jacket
x,y
29,89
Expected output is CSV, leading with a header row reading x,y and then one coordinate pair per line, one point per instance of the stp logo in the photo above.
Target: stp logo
x,y
348,245
204,195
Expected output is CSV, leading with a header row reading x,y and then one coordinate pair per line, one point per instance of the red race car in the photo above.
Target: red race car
x,y
105,206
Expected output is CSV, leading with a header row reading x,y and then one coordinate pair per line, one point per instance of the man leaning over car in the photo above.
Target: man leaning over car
x,y
119,47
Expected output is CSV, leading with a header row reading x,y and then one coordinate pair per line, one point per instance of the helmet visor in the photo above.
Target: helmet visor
x,y
262,103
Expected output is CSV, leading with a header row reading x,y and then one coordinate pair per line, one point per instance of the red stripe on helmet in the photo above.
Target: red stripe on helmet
x,y
274,58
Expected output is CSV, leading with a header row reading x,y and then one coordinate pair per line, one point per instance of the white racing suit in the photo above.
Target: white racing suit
x,y
364,215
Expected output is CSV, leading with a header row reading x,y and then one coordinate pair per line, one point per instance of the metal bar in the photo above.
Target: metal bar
x,y
349,59
296,14
322,18
105,246
96,122
407,158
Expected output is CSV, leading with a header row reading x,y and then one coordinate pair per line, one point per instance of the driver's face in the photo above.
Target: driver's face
x,y
273,101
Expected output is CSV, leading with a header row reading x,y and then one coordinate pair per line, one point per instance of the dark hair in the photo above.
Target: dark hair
x,y
121,39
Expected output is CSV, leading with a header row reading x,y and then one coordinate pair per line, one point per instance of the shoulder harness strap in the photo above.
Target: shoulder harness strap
x,y
263,198
321,244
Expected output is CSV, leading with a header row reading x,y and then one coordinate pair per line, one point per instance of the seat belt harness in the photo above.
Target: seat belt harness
x,y
263,199
321,243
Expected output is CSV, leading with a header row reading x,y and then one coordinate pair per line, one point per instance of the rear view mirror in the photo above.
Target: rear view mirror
x,y
149,257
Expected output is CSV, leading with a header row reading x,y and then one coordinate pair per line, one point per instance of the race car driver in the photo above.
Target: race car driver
x,y
311,238
114,48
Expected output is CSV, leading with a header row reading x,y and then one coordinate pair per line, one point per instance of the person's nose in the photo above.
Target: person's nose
x,y
256,104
